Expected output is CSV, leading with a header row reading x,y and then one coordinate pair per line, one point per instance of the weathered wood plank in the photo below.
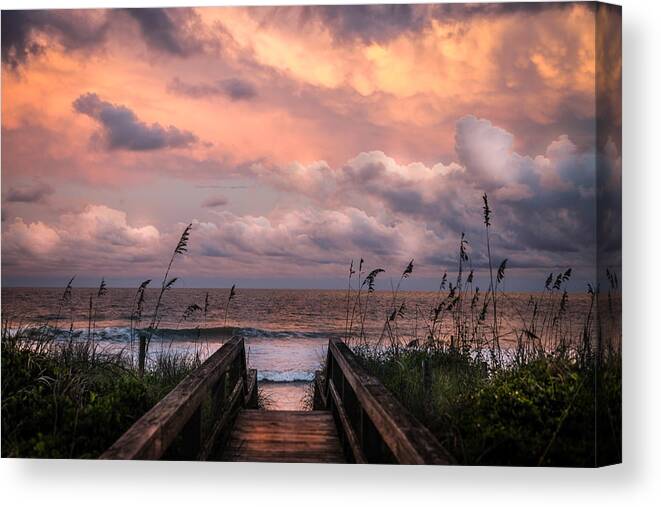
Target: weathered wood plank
x,y
153,433
348,430
222,423
284,457
251,397
408,440
285,414
284,428
284,436
319,401
374,424
192,436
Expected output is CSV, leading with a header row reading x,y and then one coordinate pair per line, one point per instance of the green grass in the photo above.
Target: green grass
x,y
69,400
537,412
494,391
553,398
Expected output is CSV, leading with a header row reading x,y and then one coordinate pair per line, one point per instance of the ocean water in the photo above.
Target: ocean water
x,y
286,331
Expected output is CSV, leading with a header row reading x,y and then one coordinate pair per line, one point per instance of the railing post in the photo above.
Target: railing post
x,y
192,435
219,395
343,387
252,399
177,418
329,372
244,368
361,427
376,423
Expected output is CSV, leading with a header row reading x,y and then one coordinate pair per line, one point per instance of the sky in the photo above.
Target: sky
x,y
295,139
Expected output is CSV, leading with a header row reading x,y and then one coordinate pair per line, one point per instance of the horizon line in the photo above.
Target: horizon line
x,y
239,288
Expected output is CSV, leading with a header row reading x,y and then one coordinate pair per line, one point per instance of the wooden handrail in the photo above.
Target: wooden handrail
x,y
250,396
319,397
373,426
379,425
180,411
351,437
221,423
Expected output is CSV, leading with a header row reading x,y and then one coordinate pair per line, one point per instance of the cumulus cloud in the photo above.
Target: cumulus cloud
x,y
381,23
96,238
172,31
101,239
107,226
378,207
35,193
72,29
121,128
486,150
233,88
28,33
307,236
376,181
544,205
373,207
35,238
327,91
371,23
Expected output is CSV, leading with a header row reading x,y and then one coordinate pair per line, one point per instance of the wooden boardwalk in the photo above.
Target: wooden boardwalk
x,y
284,436
213,415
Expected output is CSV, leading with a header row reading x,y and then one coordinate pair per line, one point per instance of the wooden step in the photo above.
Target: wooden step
x,y
284,436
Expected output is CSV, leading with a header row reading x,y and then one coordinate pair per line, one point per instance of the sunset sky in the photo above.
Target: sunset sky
x,y
295,139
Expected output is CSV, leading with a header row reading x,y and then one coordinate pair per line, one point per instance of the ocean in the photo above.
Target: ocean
x,y
286,331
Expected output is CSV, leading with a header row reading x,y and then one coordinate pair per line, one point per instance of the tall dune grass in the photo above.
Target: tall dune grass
x,y
72,398
543,391
65,396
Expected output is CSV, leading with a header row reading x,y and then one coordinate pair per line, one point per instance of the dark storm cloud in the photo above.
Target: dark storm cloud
x,y
237,89
609,74
121,128
172,31
232,88
379,23
368,22
167,30
543,206
459,12
35,193
74,30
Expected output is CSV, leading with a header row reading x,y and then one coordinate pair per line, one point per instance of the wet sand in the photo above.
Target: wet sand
x,y
285,395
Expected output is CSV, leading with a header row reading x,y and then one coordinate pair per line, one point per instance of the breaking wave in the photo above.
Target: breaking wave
x,y
285,376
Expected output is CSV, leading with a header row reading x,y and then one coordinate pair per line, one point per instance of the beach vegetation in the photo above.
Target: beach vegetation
x,y
545,390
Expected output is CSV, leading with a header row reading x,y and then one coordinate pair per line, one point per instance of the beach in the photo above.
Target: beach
x,y
286,331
